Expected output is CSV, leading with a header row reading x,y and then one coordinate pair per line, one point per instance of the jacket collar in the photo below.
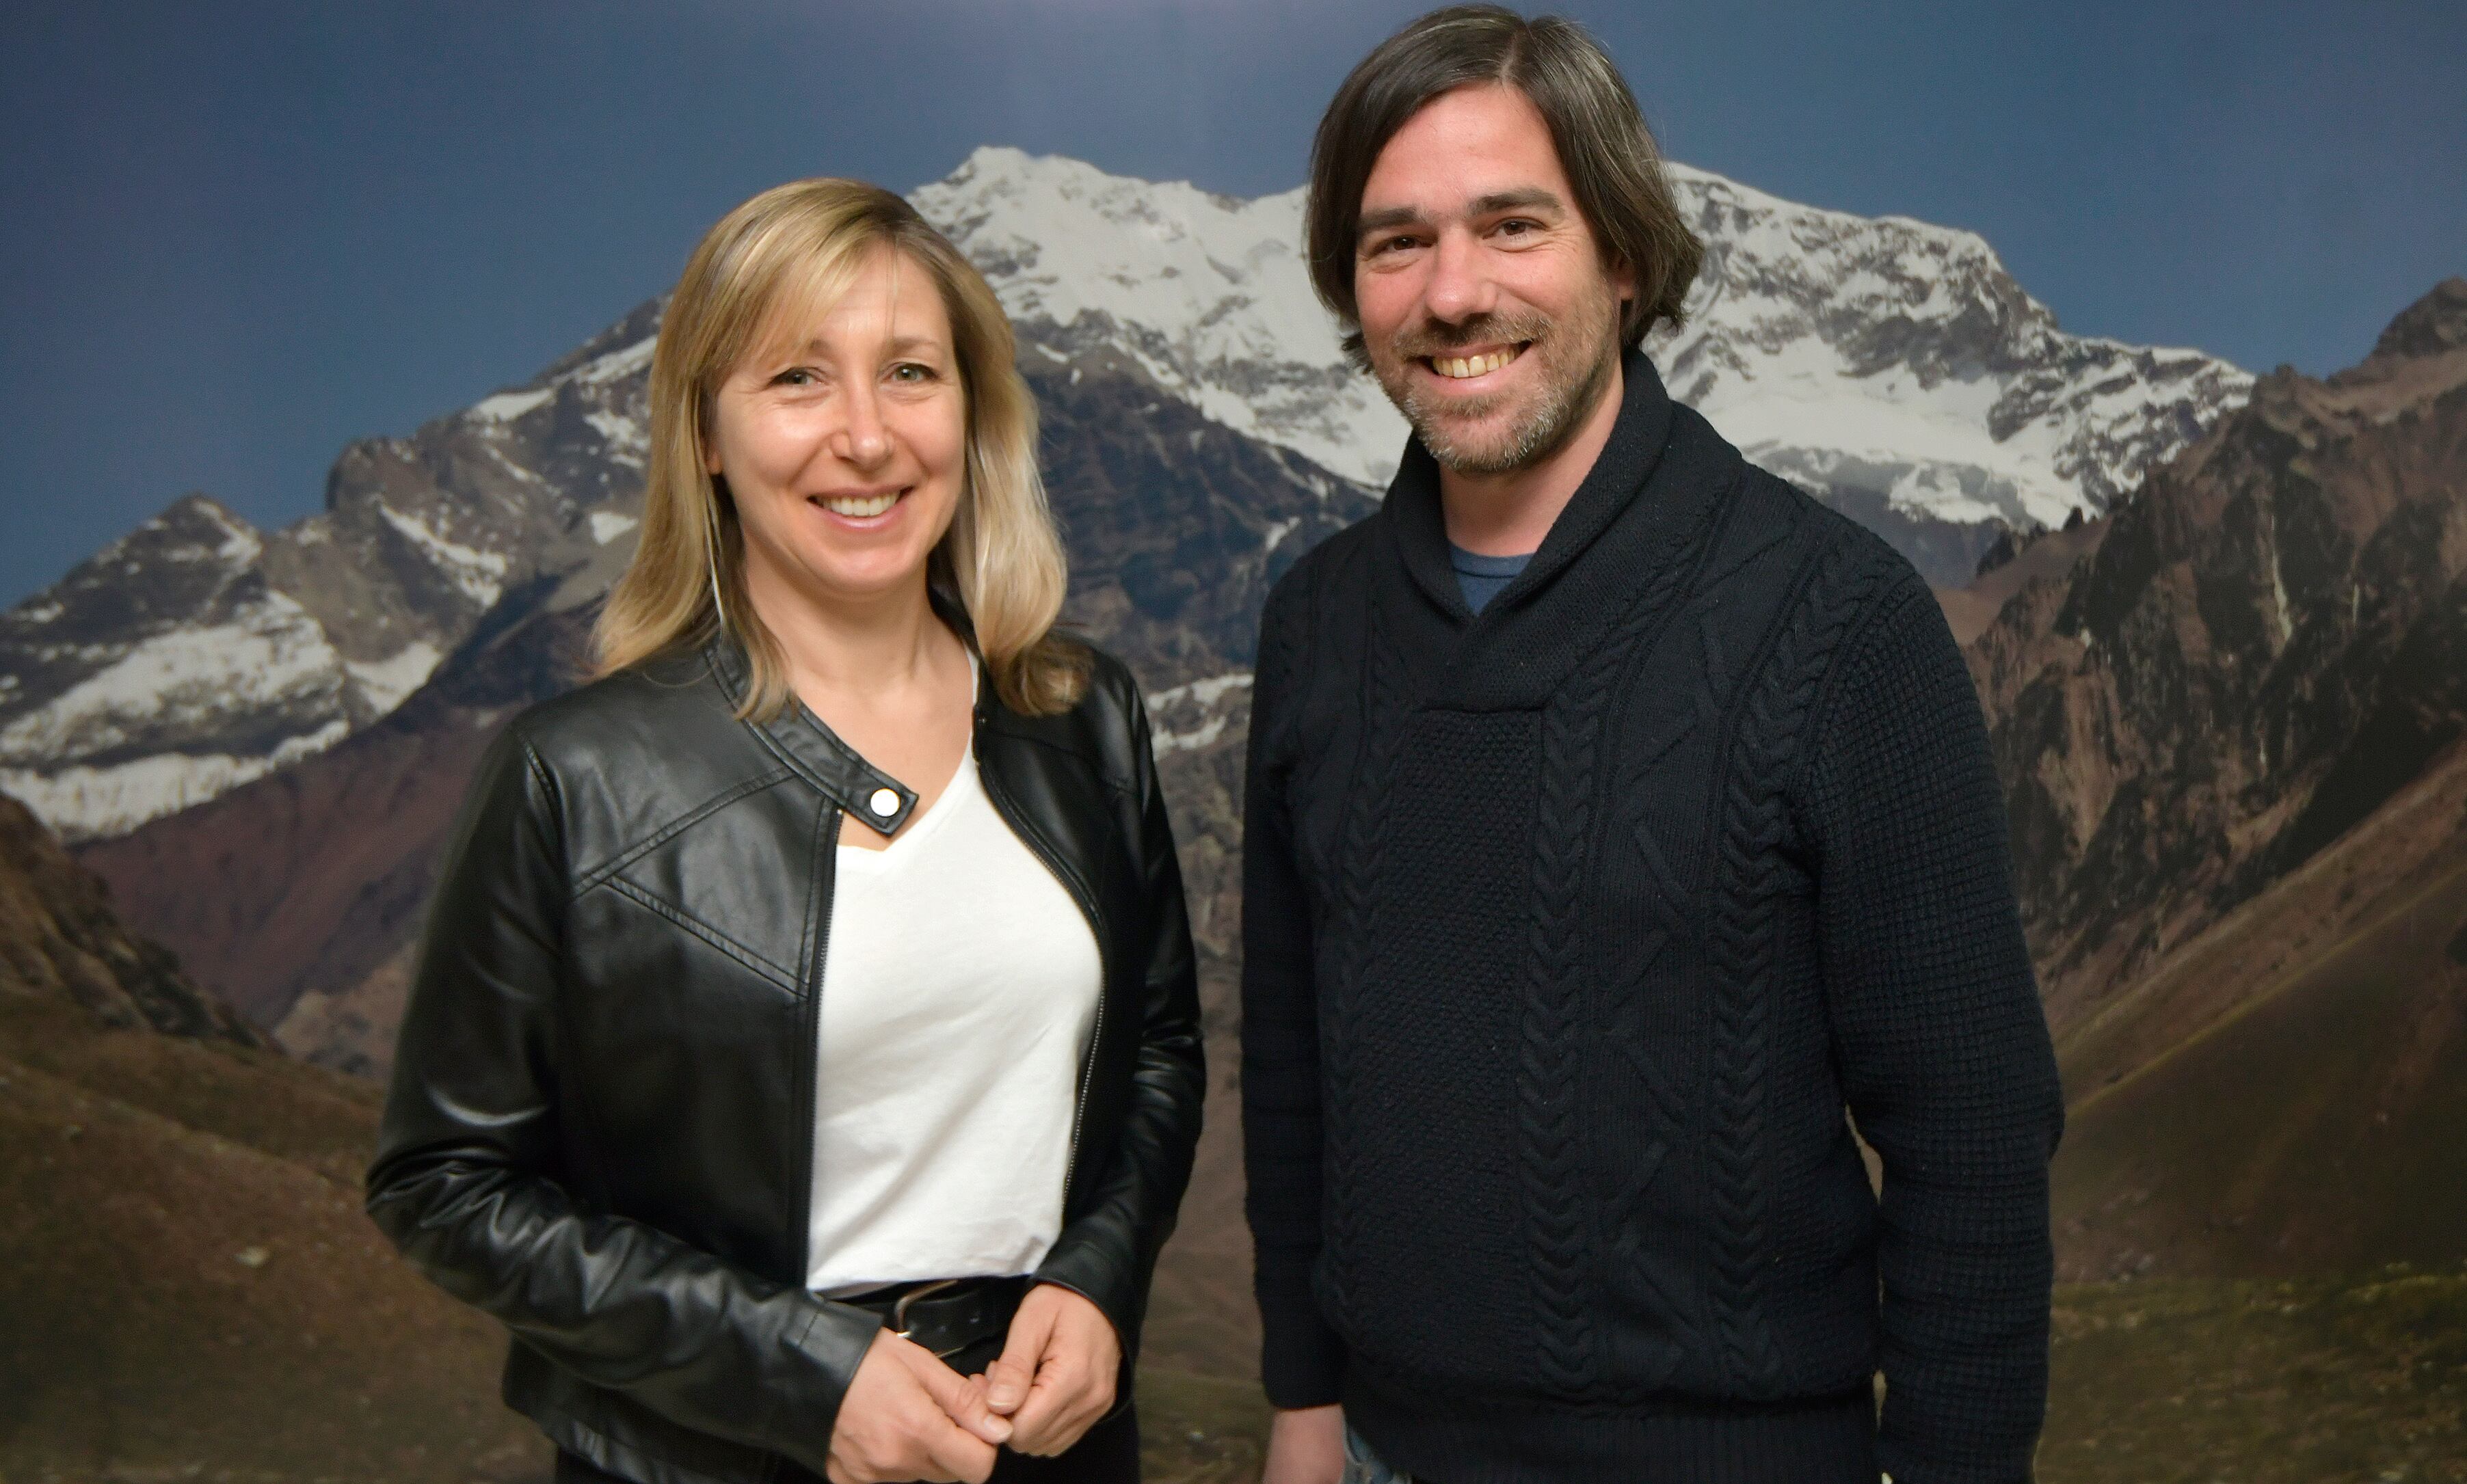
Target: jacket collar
x,y
810,749
1626,461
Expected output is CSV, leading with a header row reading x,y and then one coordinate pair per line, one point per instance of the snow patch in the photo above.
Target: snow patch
x,y
625,439
617,364
385,683
608,526
1203,692
273,654
506,406
87,803
480,574
1199,695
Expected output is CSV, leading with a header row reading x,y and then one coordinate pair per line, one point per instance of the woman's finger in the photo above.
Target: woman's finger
x,y
1031,1329
956,1455
961,1400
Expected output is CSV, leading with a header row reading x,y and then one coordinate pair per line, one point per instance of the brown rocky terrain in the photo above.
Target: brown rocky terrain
x,y
187,1279
2269,643
2231,736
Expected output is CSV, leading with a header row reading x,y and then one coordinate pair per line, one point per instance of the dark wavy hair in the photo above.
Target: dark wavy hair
x,y
1621,190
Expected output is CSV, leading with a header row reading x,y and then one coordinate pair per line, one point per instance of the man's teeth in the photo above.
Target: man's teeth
x,y
859,508
1460,367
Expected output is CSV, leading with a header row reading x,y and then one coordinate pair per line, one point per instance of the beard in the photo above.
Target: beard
x,y
1577,357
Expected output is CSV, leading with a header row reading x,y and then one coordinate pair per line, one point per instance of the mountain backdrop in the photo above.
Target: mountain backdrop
x,y
2219,628
1893,368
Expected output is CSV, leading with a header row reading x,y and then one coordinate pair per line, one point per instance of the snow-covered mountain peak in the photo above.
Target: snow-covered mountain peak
x,y
1896,365
1205,293
1890,364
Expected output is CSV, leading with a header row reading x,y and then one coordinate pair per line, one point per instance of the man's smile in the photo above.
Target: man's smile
x,y
1475,365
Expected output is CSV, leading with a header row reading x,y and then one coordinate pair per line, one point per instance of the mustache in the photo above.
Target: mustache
x,y
1437,338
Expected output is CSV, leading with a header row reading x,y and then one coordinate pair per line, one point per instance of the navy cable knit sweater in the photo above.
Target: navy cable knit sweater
x,y
1572,930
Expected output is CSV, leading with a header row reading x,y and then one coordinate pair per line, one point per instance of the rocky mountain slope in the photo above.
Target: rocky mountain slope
x,y
197,653
1892,367
2234,741
60,940
2269,642
187,1278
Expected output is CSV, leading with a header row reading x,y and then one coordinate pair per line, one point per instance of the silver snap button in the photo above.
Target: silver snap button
x,y
884,802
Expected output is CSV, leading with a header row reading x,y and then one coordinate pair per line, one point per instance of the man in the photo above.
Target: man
x,y
1619,819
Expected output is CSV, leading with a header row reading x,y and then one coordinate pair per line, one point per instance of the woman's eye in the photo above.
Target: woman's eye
x,y
795,376
912,372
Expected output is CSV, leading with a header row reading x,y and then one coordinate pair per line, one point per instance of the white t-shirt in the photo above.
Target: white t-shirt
x,y
960,986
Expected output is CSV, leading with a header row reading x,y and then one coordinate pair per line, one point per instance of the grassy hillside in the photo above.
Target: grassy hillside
x,y
189,1284
2318,1381
2287,1097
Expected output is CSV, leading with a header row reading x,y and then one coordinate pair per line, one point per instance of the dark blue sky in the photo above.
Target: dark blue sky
x,y
235,236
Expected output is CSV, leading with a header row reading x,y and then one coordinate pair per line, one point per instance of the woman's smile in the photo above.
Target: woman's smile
x,y
860,509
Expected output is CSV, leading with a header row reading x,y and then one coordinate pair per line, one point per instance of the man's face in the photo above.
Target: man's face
x,y
1486,311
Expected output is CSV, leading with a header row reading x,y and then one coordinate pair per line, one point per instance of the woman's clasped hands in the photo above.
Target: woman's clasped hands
x,y
909,1416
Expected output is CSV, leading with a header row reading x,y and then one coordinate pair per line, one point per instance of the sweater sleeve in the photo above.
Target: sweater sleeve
x,y
1302,1360
1941,1041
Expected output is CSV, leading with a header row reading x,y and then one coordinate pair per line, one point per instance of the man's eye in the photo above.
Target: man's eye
x,y
1517,227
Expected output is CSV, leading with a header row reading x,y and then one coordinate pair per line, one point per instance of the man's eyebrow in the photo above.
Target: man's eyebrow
x,y
1384,220
1525,198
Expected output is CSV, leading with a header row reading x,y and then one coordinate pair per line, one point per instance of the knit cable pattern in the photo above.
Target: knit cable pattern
x,y
1551,1047
1665,925
1740,950
1364,842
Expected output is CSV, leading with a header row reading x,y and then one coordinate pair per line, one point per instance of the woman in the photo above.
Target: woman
x,y
803,1059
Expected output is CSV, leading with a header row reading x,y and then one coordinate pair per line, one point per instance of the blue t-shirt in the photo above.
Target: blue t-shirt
x,y
1481,578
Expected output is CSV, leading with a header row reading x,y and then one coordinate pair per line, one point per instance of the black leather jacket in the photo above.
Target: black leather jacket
x,y
602,1120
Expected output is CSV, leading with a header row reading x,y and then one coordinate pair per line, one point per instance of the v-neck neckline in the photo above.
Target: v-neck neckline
x,y
963,775
963,779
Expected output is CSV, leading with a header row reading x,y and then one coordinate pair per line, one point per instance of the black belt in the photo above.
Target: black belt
x,y
947,1315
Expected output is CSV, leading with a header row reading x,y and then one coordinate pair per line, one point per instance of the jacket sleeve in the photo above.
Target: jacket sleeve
x,y
1301,1359
464,1182
1941,1041
1108,1253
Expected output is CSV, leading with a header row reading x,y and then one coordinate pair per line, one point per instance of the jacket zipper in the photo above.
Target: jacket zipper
x,y
1104,976
809,1044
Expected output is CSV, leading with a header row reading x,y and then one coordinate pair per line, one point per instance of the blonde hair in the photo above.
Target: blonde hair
x,y
793,249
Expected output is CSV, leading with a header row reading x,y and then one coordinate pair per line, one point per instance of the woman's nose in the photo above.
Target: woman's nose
x,y
863,439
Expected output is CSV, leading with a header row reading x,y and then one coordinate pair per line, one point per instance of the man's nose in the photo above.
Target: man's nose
x,y
1459,285
863,439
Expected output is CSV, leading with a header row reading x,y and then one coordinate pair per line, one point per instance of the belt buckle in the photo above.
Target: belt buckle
x,y
899,1313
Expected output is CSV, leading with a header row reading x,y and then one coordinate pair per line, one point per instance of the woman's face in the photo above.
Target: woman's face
x,y
845,445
